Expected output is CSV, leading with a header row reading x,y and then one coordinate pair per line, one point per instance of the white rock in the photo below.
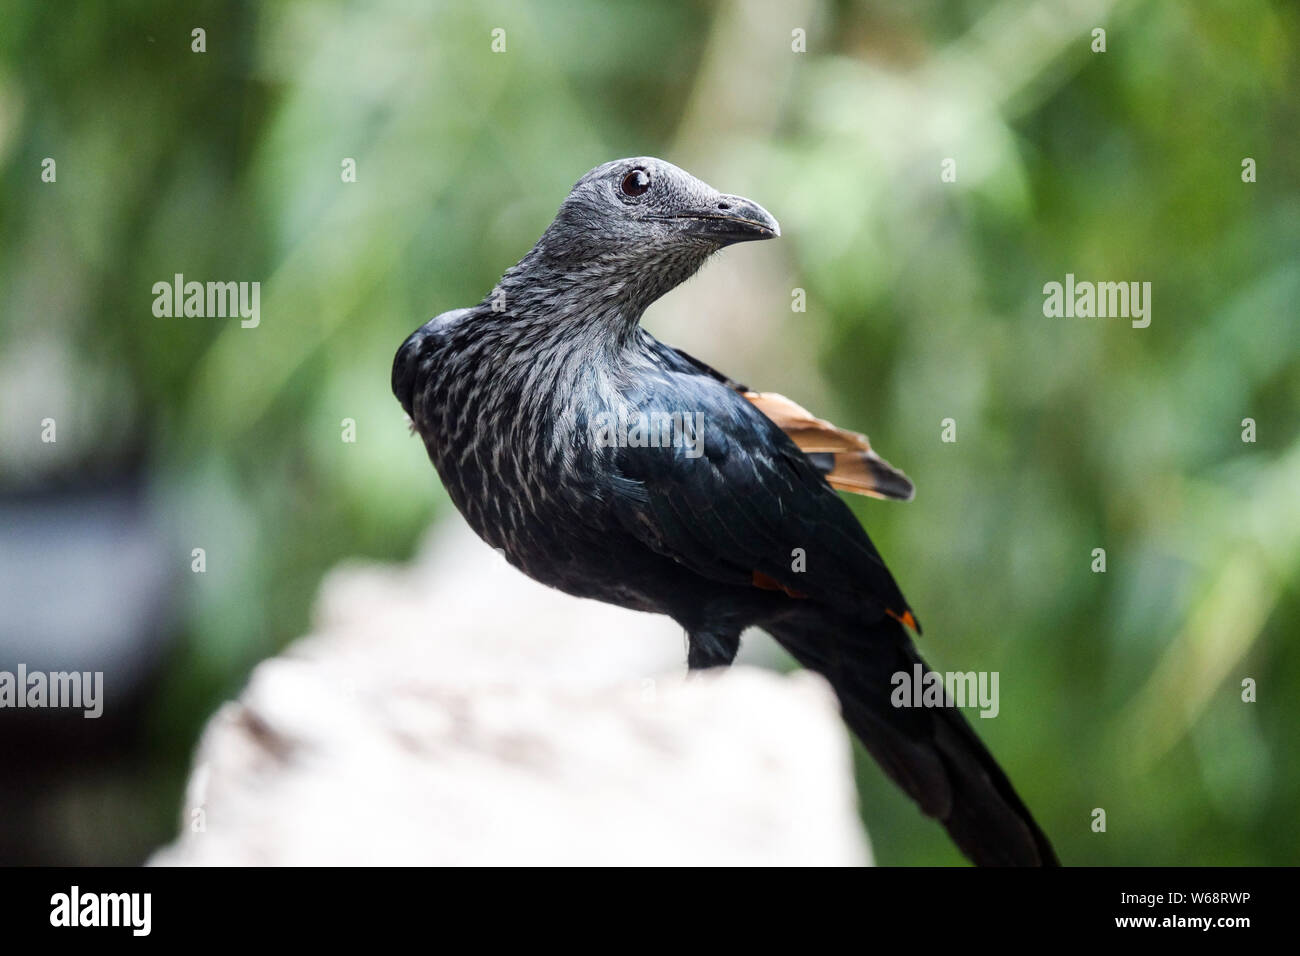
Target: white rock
x,y
455,712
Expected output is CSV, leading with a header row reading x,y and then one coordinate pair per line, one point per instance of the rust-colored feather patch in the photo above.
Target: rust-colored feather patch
x,y
844,457
769,583
907,619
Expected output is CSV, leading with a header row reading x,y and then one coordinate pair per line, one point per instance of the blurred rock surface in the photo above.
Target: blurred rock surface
x,y
454,712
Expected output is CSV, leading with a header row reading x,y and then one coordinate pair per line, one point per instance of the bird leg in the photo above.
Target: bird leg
x,y
712,648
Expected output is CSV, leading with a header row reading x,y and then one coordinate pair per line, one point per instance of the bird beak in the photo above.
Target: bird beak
x,y
731,219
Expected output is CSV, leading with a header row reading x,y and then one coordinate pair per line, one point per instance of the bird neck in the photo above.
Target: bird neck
x,y
597,297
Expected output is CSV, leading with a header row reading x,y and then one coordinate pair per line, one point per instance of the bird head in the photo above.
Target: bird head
x,y
648,222
647,203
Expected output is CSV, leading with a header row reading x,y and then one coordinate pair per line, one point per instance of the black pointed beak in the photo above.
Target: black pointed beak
x,y
730,219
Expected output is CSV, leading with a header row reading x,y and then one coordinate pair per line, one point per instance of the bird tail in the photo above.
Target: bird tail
x,y
931,752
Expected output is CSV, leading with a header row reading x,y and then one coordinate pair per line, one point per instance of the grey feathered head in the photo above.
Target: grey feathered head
x,y
646,222
628,232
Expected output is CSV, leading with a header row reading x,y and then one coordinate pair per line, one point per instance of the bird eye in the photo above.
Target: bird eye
x,y
636,183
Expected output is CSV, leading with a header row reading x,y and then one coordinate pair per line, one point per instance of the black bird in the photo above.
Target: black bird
x,y
611,466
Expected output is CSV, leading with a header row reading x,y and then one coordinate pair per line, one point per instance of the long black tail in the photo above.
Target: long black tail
x,y
931,752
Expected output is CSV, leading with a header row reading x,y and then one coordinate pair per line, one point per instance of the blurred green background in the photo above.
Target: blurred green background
x,y
1119,690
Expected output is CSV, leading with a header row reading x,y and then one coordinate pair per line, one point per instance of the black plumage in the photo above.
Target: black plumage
x,y
522,402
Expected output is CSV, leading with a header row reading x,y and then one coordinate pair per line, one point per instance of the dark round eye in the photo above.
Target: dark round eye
x,y
636,183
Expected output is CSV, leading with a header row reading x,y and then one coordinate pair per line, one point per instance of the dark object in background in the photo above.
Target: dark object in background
x,y
88,583
528,402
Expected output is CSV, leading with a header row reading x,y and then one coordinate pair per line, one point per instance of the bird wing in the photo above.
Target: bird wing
x,y
748,507
845,459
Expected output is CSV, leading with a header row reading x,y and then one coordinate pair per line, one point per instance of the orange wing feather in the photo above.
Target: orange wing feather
x,y
854,467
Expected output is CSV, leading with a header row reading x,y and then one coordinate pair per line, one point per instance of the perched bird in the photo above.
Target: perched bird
x,y
611,466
